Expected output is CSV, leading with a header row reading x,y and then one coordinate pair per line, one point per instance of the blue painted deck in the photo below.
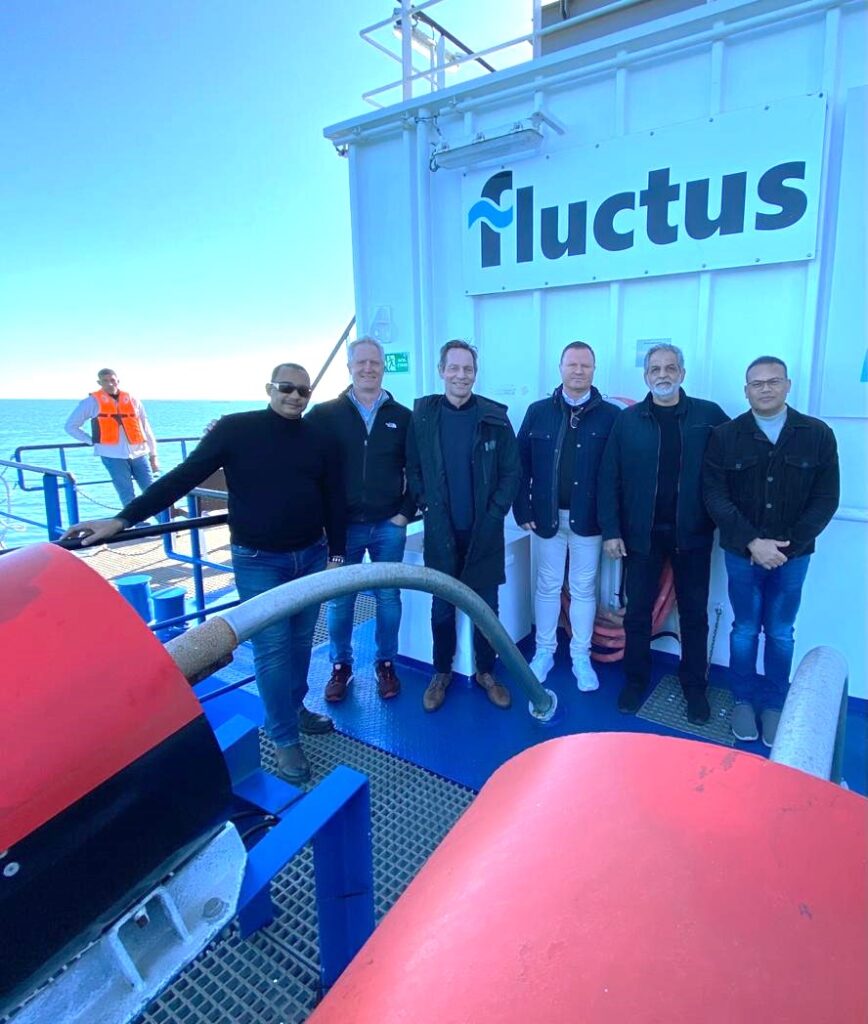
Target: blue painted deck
x,y
468,738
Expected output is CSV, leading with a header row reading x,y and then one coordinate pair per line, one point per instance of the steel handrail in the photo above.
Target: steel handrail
x,y
45,470
810,734
204,648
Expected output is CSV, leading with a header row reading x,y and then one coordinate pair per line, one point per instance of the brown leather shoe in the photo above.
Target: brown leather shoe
x,y
497,692
388,684
435,694
340,679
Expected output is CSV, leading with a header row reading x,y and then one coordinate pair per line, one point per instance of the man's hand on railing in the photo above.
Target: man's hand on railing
x,y
94,531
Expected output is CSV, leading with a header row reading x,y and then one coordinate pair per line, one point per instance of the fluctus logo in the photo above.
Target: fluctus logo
x,y
494,219
663,210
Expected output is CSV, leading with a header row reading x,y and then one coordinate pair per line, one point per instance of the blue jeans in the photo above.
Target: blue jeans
x,y
124,471
767,600
384,542
281,653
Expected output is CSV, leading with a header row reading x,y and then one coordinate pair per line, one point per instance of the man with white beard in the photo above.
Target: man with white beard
x,y
651,509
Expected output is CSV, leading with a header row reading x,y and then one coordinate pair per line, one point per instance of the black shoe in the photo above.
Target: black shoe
x,y
630,699
292,765
312,724
698,711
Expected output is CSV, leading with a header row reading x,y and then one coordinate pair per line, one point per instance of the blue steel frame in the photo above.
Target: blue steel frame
x,y
55,479
335,816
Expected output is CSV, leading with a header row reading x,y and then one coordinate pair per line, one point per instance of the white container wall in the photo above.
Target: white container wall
x,y
766,100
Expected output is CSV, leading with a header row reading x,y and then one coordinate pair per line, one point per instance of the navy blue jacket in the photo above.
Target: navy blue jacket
x,y
540,444
627,487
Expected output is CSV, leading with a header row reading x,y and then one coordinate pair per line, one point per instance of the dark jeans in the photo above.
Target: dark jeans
x,y
443,624
281,652
767,600
691,570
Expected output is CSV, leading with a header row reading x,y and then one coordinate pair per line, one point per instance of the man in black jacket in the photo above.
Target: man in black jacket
x,y
561,443
285,490
370,428
464,499
771,485
651,509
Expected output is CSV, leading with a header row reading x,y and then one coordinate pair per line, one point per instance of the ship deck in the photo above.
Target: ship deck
x,y
424,770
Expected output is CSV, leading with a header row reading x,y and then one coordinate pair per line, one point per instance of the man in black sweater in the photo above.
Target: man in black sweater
x,y
651,509
285,490
370,428
463,471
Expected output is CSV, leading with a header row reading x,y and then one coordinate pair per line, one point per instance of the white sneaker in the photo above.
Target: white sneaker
x,y
543,662
586,677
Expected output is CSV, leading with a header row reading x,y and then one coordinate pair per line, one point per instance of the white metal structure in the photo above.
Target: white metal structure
x,y
756,105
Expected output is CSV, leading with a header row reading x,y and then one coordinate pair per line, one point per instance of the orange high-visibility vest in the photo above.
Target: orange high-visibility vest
x,y
113,414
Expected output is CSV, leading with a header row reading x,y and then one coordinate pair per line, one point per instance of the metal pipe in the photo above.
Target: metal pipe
x,y
201,648
810,734
157,530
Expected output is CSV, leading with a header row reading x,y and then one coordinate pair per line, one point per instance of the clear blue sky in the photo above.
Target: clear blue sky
x,y
168,205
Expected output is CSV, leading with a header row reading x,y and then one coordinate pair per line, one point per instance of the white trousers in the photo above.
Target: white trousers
x,y
551,556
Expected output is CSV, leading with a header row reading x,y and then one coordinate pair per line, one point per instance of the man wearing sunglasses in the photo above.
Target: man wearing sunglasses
x,y
370,428
561,443
772,485
286,520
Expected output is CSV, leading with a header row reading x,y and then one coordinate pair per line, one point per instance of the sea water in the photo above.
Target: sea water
x,y
25,422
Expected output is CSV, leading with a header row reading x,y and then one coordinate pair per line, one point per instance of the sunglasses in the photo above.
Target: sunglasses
x,y
285,388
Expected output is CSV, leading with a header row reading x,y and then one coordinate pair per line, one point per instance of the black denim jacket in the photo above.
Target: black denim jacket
x,y
787,491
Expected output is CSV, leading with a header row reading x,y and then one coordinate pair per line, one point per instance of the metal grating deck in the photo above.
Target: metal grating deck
x,y
665,705
273,977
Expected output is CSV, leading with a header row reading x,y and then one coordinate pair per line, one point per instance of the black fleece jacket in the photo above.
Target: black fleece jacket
x,y
373,464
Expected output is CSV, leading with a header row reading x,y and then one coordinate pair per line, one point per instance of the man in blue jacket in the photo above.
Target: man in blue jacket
x,y
771,485
463,471
561,444
651,509
370,429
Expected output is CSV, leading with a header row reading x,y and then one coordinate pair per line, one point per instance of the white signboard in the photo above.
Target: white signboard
x,y
728,191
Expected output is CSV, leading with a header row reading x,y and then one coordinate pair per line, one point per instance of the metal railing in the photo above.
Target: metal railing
x,y
811,731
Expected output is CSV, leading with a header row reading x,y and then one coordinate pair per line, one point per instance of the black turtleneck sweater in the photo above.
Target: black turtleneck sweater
x,y
283,477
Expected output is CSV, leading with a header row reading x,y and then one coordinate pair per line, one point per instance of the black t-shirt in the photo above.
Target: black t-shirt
x,y
668,465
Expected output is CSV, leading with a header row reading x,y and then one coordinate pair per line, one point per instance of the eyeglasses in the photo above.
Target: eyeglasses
x,y
575,416
772,382
285,388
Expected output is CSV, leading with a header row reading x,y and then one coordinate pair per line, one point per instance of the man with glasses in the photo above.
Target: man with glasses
x,y
286,499
463,471
561,443
370,428
771,485
651,509
120,434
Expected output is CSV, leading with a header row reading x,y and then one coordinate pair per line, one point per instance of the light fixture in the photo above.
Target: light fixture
x,y
522,139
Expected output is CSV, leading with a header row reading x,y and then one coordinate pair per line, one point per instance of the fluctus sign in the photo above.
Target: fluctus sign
x,y
733,190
